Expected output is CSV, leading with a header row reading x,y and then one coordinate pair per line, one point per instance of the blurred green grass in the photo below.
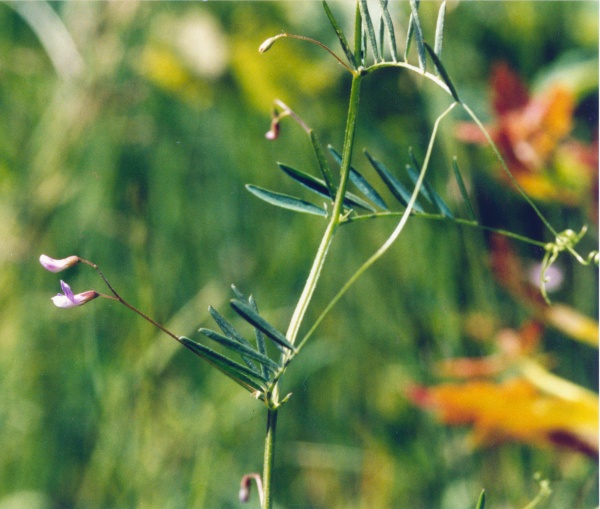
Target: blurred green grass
x,y
137,160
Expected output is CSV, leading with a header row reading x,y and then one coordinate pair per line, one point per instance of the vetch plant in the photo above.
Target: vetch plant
x,y
259,365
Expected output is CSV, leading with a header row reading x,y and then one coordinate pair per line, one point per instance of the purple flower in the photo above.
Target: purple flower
x,y
58,265
70,300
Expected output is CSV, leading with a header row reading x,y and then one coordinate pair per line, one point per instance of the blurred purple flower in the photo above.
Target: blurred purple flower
x,y
553,276
58,265
69,300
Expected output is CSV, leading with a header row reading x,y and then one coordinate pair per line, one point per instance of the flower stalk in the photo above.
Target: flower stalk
x,y
68,299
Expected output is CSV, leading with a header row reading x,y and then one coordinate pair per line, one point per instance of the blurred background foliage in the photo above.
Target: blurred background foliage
x,y
128,132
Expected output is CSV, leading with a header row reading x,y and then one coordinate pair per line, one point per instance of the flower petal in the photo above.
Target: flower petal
x,y
67,290
62,301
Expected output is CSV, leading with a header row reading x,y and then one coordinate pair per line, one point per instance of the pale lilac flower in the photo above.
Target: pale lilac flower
x,y
58,265
69,300
553,277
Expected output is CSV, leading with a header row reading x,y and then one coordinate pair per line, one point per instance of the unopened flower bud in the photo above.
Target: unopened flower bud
x,y
58,265
266,46
244,494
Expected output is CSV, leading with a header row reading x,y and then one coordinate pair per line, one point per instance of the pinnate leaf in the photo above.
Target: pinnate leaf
x,y
231,332
251,316
360,182
418,32
318,186
439,30
260,338
364,11
340,35
443,74
429,193
286,201
323,164
394,185
234,370
240,348
387,20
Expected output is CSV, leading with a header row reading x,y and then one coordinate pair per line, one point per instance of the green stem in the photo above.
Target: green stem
x,y
506,169
405,65
269,458
307,39
335,220
312,280
514,181
392,238
455,220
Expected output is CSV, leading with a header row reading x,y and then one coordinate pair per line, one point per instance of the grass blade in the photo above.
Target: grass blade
x,y
443,74
251,316
286,201
323,164
318,186
364,11
231,332
439,30
311,183
414,6
463,190
394,185
481,501
241,349
360,182
429,193
342,38
387,19
234,370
